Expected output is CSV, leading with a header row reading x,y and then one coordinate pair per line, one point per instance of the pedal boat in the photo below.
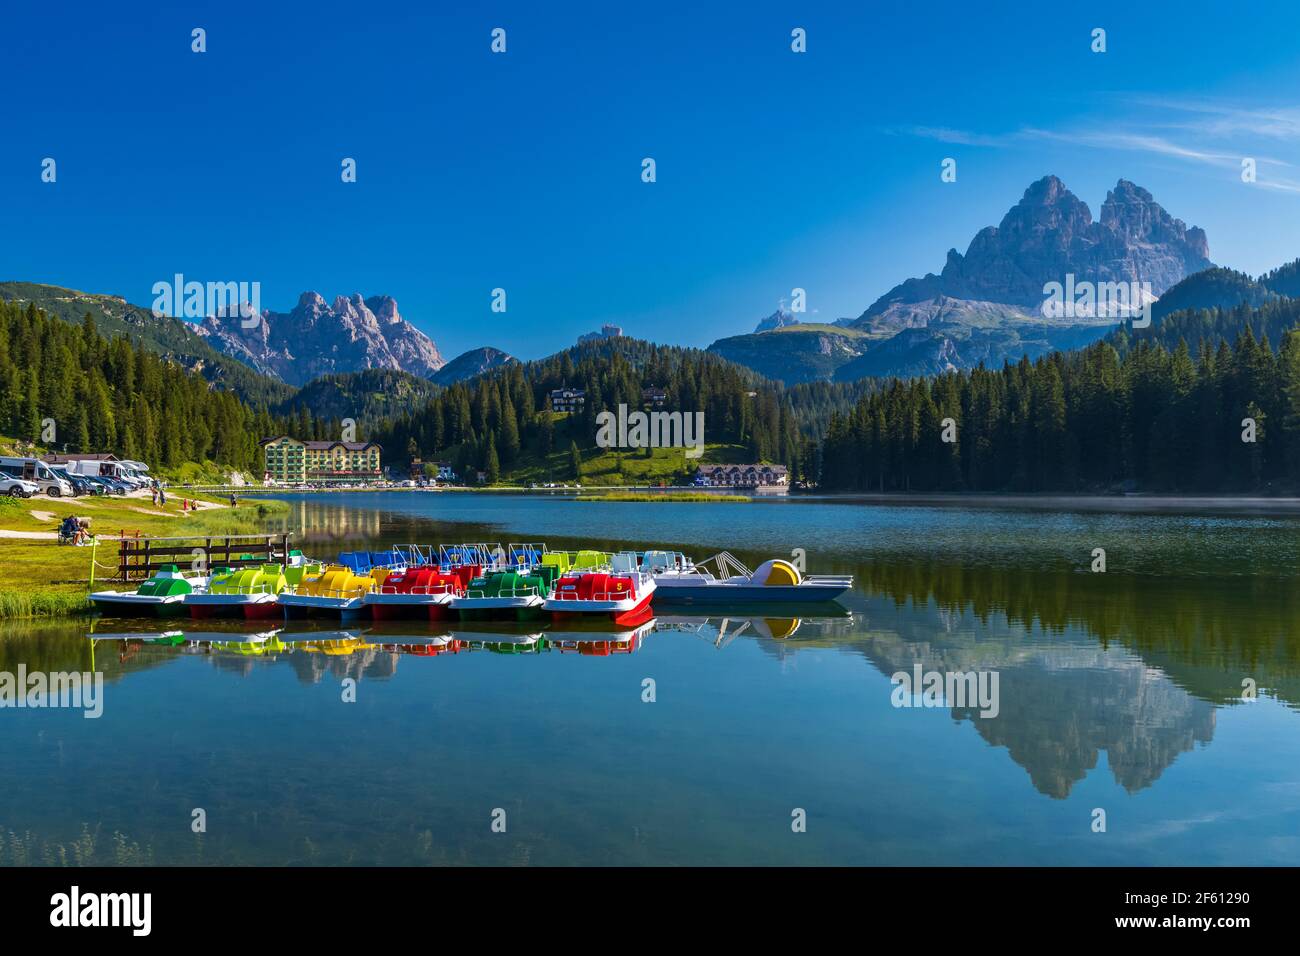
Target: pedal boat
x,y
247,592
619,591
428,590
731,584
336,591
519,594
162,595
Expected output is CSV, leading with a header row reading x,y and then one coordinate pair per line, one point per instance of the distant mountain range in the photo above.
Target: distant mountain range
x,y
1048,234
986,305
983,307
319,338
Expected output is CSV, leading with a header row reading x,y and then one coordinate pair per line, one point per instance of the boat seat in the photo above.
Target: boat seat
x,y
357,562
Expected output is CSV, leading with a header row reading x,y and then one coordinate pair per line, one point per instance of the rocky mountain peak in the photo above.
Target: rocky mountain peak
x,y
777,320
1049,234
1046,205
1132,213
318,338
385,309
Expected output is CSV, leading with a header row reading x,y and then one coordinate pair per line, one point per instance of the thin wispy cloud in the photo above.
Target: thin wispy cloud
x,y
959,137
1208,133
1226,119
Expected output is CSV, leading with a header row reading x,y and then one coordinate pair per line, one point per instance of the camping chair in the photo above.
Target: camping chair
x,y
67,531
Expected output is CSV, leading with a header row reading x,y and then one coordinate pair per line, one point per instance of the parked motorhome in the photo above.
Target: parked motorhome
x,y
37,472
138,470
114,470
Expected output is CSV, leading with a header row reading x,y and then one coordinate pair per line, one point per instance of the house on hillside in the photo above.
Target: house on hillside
x,y
568,399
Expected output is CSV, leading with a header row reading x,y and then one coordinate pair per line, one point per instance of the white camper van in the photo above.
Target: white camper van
x,y
37,472
96,468
138,471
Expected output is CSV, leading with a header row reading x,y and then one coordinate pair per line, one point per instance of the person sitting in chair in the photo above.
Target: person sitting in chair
x,y
82,533
68,530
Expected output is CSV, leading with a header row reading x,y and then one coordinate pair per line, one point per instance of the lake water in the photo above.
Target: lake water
x,y
1118,693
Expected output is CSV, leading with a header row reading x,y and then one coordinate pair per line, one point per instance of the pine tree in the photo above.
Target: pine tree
x,y
492,466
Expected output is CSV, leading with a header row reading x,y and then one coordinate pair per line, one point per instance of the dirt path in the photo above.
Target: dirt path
x,y
30,535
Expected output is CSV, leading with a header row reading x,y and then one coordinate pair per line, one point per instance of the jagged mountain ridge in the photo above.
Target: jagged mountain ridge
x,y
1048,234
986,305
777,320
319,338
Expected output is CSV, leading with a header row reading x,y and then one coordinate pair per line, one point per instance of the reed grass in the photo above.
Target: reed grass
x,y
28,604
88,849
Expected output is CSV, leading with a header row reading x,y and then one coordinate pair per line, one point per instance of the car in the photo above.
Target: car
x,y
111,485
18,488
79,484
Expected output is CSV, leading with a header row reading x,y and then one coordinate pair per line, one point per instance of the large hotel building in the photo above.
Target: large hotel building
x,y
292,461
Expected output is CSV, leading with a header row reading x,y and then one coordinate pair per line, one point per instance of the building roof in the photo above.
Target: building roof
x,y
740,469
59,459
325,445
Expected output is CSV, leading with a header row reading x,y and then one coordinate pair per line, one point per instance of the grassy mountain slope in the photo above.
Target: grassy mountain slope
x,y
604,466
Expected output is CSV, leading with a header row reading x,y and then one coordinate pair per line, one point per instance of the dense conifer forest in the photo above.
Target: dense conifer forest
x,y
1205,400
68,388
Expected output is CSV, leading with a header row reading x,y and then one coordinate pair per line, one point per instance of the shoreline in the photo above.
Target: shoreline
x,y
1053,501
1074,501
46,581
41,579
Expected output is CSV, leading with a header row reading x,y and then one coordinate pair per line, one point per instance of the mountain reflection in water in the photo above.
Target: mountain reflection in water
x,y
1087,664
1119,674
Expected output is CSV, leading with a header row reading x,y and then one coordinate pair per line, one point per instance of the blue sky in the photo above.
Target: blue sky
x,y
775,170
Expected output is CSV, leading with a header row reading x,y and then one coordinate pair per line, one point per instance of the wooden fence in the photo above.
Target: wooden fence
x,y
139,556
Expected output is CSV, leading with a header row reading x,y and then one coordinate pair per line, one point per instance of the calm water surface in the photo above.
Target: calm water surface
x,y
1119,691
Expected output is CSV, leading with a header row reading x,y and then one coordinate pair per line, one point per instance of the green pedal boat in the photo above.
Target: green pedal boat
x,y
162,595
518,594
